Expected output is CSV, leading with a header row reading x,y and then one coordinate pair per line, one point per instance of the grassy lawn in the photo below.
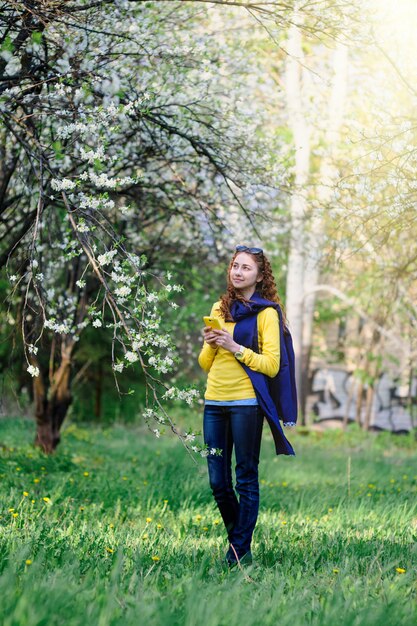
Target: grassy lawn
x,y
119,528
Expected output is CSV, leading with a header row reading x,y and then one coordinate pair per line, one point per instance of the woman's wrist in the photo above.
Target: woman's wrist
x,y
239,353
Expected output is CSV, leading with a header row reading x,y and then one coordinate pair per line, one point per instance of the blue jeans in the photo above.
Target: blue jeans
x,y
239,426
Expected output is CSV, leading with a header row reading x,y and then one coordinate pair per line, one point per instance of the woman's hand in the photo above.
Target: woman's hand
x,y
222,338
210,336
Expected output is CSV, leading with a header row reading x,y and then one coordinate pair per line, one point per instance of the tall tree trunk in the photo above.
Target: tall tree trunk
x,y
326,177
51,405
300,130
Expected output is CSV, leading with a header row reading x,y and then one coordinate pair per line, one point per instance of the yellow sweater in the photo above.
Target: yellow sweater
x,y
227,380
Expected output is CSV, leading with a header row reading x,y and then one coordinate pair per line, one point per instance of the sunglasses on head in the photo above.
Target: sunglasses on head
x,y
250,250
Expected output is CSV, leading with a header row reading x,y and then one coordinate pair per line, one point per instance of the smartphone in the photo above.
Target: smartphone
x,y
213,322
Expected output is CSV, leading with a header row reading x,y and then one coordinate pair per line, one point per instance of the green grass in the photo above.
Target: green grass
x,y
326,547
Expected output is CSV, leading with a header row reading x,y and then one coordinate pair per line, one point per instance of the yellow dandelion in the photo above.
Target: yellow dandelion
x,y
400,570
148,520
335,570
284,484
82,508
205,528
15,514
165,501
145,536
159,525
156,558
111,525
28,561
11,510
33,501
330,510
46,499
198,518
18,469
86,473
25,493
36,480
110,550
216,522
283,522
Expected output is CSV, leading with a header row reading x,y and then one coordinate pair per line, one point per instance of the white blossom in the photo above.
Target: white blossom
x,y
93,155
132,357
62,185
97,323
33,371
82,227
123,291
106,258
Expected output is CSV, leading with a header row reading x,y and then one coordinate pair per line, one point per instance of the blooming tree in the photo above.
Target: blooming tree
x,y
117,130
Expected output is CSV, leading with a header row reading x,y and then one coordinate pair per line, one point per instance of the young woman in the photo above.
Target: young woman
x,y
240,360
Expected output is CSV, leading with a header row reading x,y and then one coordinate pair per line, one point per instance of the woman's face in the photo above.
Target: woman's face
x,y
244,273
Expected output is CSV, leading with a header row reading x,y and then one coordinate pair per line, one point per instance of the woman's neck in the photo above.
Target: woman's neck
x,y
247,293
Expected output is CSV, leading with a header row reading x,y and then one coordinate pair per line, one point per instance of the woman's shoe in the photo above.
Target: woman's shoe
x,y
231,561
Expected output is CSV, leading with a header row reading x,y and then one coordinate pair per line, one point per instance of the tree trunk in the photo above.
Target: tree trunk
x,y
368,407
348,405
300,130
51,405
359,399
326,177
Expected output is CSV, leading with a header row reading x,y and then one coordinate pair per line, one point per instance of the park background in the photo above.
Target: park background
x,y
140,142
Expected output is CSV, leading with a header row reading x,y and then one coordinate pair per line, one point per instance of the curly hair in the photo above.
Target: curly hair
x,y
266,287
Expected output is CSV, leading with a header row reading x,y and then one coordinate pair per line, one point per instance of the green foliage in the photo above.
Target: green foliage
x,y
36,37
129,533
7,44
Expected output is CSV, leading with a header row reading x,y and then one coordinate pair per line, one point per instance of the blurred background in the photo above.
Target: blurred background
x,y
286,125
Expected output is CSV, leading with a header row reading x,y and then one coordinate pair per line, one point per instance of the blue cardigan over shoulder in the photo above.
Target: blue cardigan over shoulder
x,y
276,396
